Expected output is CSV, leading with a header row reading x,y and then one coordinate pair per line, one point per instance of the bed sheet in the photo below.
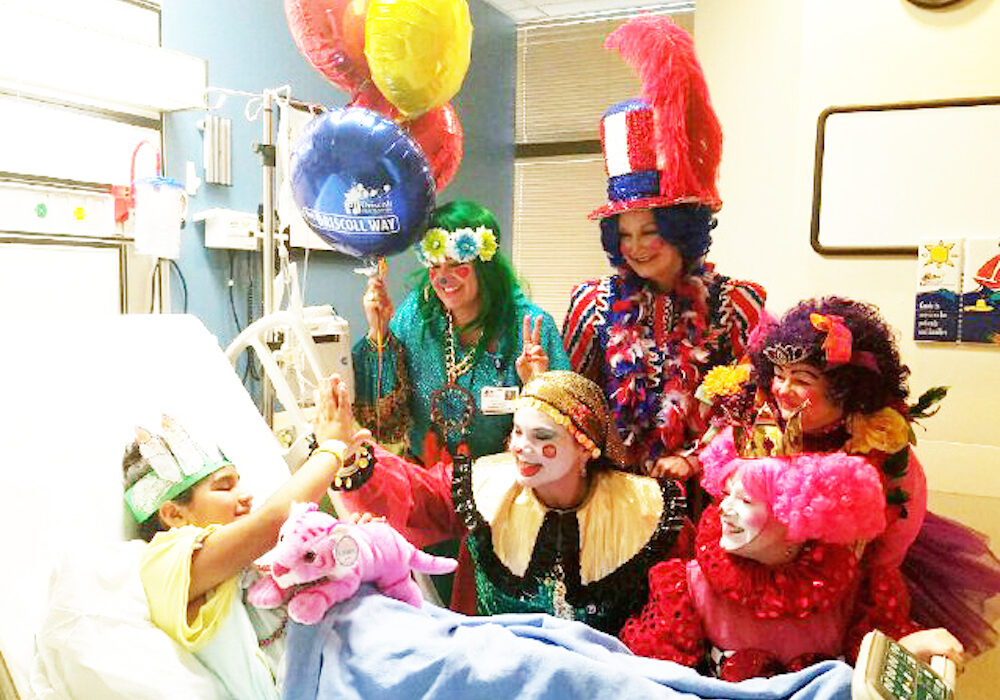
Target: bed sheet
x,y
372,647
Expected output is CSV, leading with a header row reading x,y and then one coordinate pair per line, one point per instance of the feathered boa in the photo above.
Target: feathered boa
x,y
655,365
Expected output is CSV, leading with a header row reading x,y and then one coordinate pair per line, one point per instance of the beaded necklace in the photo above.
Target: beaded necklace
x,y
452,369
655,347
453,406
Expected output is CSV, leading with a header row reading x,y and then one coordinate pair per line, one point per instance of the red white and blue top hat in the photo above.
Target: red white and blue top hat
x,y
662,149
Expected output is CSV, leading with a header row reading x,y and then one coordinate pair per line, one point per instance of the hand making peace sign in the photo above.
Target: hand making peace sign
x,y
533,359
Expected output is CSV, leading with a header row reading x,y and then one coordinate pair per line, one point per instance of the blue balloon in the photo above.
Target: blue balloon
x,y
361,183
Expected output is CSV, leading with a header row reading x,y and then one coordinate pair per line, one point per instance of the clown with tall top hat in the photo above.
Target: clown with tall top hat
x,y
648,332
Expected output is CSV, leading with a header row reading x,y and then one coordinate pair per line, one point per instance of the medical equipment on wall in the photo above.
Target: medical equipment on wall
x,y
156,206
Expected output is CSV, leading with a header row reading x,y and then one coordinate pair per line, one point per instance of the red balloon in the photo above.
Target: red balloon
x,y
439,132
370,98
317,27
352,26
440,135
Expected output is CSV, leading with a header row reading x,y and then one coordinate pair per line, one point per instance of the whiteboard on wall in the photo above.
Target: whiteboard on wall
x,y
60,278
887,176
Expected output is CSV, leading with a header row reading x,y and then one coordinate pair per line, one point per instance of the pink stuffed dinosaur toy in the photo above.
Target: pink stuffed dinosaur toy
x,y
336,557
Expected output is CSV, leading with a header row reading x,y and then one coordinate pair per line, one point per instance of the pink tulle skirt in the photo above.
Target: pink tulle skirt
x,y
952,574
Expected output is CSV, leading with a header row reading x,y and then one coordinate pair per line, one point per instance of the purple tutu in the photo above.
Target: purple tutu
x,y
952,574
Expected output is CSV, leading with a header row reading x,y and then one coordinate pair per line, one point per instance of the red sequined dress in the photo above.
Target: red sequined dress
x,y
737,618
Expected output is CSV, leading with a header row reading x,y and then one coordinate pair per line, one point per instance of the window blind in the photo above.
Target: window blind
x,y
555,245
566,78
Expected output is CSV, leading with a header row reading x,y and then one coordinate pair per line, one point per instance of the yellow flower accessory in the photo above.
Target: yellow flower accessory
x,y
724,380
885,430
487,243
434,243
461,245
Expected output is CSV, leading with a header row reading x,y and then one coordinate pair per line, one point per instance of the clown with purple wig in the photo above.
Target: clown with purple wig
x,y
949,568
824,393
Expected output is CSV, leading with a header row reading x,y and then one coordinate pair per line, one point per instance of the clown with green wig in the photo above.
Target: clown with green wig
x,y
440,373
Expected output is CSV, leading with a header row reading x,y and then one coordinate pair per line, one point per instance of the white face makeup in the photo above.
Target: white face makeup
x,y
544,451
743,517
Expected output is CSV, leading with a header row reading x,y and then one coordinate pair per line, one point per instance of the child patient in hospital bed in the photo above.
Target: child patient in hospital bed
x,y
190,578
207,536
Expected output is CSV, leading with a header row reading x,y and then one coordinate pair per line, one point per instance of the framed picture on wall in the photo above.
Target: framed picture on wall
x,y
887,176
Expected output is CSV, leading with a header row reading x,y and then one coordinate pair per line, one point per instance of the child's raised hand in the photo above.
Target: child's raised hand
x,y
533,359
334,414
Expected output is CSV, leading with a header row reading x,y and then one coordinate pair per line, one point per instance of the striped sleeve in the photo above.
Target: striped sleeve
x,y
580,328
746,302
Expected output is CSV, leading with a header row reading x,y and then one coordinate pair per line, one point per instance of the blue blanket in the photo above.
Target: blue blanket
x,y
373,647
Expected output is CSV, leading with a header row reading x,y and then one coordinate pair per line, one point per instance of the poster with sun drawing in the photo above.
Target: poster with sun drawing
x,y
939,287
981,291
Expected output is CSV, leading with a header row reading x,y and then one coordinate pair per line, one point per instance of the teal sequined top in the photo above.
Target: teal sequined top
x,y
413,368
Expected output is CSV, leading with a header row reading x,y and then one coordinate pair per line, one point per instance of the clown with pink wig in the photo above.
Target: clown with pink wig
x,y
776,582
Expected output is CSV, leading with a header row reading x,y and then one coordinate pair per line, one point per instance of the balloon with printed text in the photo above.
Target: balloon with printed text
x,y
361,183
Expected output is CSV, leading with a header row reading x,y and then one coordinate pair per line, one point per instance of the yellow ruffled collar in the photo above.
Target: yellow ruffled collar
x,y
617,518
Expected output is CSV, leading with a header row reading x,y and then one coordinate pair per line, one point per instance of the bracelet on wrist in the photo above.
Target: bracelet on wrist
x,y
337,448
356,470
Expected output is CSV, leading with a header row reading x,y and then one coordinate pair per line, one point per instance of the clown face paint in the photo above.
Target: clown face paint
x,y
545,452
748,528
645,251
457,287
804,386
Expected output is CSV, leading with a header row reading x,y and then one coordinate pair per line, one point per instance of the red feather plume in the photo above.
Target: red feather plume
x,y
688,134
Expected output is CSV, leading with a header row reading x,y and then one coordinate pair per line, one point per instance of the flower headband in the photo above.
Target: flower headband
x,y
461,245
838,346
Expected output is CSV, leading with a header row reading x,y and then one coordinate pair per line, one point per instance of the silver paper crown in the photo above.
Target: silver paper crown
x,y
176,463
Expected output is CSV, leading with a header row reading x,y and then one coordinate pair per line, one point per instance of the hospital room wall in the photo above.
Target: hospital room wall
x,y
248,47
773,66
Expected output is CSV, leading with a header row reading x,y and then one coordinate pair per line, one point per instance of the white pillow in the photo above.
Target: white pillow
x,y
97,640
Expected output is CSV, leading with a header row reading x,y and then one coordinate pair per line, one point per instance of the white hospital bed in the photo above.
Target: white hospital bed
x,y
72,391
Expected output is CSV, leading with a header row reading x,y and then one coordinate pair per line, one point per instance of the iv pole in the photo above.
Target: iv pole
x,y
268,154
267,150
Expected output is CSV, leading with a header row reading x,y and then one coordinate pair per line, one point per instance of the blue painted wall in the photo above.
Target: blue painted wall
x,y
248,47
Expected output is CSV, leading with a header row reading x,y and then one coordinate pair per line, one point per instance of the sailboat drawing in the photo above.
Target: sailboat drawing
x,y
981,306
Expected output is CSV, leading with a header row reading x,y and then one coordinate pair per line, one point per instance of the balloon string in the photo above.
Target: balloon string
x,y
380,353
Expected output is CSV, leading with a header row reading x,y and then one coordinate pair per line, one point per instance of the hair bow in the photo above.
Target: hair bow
x,y
838,343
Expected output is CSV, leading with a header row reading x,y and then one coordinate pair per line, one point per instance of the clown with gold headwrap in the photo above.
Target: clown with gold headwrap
x,y
553,525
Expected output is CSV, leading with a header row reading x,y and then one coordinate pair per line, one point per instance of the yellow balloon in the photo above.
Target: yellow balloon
x,y
418,51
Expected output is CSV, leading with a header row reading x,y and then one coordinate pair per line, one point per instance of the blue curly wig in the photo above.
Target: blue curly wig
x,y
687,227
